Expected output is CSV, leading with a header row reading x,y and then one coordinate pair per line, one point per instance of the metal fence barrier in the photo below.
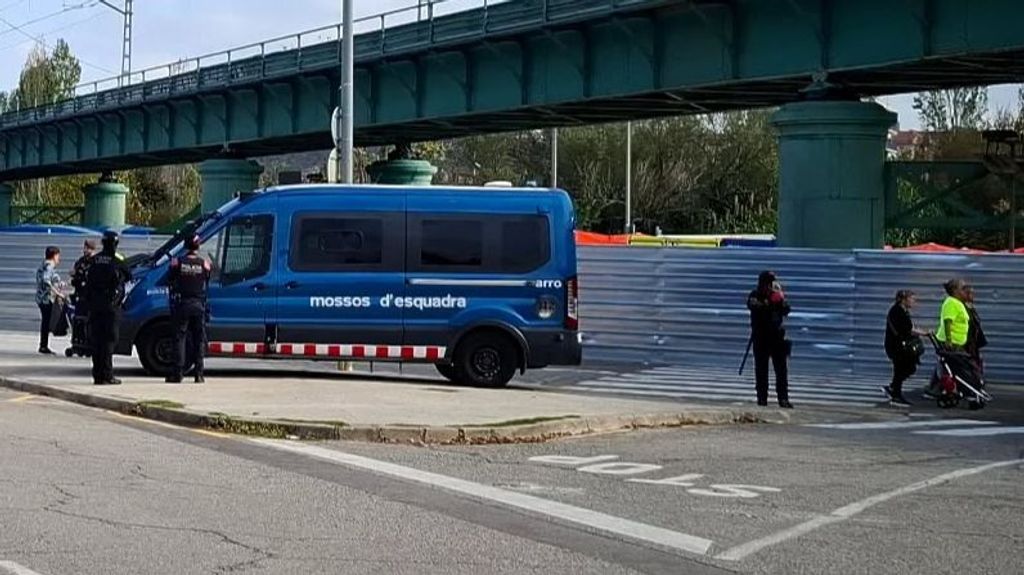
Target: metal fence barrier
x,y
684,306
681,306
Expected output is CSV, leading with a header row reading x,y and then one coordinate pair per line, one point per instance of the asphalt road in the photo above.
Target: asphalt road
x,y
85,491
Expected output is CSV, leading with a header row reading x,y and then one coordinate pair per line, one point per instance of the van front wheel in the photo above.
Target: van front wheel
x,y
156,350
486,360
447,371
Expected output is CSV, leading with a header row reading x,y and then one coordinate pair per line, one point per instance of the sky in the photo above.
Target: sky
x,y
169,30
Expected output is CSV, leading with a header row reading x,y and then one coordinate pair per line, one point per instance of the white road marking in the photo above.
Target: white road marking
x,y
585,517
619,468
711,395
847,511
900,424
14,569
974,431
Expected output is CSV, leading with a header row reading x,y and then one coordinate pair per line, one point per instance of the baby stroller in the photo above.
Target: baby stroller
x,y
79,321
956,378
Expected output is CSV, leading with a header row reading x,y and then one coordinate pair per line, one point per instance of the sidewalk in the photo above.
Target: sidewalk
x,y
317,401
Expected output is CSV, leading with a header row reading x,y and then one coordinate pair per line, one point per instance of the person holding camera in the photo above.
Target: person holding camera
x,y
768,309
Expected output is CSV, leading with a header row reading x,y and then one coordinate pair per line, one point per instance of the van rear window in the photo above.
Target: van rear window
x,y
479,243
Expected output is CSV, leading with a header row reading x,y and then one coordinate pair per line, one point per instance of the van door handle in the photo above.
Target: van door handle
x,y
292,285
258,287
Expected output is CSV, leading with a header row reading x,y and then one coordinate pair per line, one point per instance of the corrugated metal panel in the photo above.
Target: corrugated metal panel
x,y
22,254
998,281
687,306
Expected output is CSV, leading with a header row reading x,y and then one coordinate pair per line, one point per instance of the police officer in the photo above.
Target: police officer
x,y
79,273
187,283
768,308
104,296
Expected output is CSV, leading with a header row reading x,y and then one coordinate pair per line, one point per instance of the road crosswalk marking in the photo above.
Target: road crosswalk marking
x,y
975,431
934,427
716,384
901,424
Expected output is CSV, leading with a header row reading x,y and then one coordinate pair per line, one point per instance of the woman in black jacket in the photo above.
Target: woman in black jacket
x,y
899,334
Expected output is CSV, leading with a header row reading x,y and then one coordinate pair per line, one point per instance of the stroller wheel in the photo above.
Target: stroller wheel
x,y
948,401
975,405
69,352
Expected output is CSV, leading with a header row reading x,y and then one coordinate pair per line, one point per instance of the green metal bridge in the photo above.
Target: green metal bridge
x,y
529,64
515,65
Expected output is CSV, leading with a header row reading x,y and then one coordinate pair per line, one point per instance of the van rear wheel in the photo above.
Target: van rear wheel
x,y
486,360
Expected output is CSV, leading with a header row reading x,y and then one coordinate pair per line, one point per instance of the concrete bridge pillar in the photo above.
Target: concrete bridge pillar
x,y
105,203
401,169
6,195
223,178
404,172
831,164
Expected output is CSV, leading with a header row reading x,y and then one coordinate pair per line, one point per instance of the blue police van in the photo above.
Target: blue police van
x,y
480,282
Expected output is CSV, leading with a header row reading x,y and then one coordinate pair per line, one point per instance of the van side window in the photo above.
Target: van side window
x,y
347,242
248,245
479,243
452,243
525,244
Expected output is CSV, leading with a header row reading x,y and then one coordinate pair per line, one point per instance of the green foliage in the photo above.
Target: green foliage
x,y
956,119
158,196
46,77
690,174
949,110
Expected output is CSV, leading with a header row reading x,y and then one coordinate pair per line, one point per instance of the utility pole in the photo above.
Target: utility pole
x,y
126,42
554,157
346,138
629,177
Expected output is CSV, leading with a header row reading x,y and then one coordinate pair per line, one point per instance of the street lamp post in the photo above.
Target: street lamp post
x,y
345,137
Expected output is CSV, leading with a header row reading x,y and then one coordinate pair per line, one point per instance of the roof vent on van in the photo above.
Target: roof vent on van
x,y
498,184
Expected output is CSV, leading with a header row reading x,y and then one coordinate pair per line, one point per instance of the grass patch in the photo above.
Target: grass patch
x,y
165,403
523,421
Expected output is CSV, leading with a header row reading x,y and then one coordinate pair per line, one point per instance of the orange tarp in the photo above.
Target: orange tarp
x,y
595,239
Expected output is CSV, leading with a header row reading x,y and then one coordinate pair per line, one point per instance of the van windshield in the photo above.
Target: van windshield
x,y
193,227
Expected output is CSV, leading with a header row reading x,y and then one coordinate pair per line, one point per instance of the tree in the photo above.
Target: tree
x,y
47,77
952,110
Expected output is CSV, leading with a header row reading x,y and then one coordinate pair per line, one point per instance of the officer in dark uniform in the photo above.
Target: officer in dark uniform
x,y
104,296
768,308
187,283
79,273
80,342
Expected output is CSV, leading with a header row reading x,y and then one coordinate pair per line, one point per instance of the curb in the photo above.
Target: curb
x,y
409,434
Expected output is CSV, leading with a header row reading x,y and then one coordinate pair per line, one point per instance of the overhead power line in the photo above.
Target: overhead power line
x,y
50,32
46,45
21,27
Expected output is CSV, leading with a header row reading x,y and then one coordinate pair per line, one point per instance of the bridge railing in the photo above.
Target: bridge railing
x,y
433,23
56,215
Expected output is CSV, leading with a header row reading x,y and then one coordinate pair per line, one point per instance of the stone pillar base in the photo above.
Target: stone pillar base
x,y
105,204
224,178
6,196
831,174
402,172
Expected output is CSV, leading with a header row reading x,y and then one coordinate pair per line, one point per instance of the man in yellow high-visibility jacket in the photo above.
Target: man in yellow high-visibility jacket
x,y
954,320
954,323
